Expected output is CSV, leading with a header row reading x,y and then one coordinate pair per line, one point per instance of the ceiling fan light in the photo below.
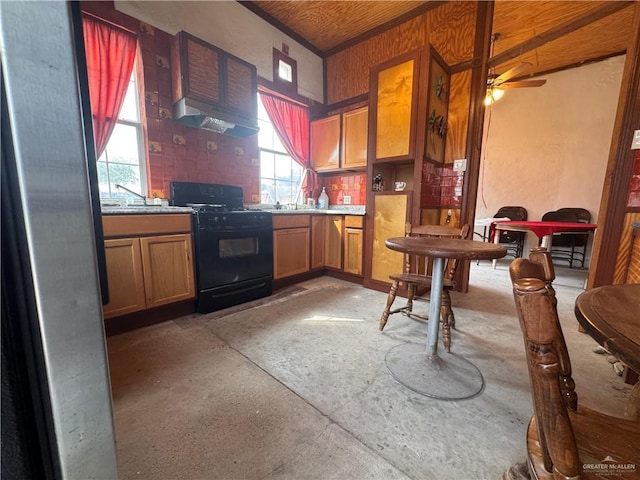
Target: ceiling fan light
x,y
497,94
488,99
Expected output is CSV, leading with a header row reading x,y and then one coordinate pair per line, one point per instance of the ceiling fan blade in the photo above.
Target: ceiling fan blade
x,y
516,71
523,84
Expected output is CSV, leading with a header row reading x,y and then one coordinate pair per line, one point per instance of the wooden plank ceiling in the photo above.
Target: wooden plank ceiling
x,y
549,35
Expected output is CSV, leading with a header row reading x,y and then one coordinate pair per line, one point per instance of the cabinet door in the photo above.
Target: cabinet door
x,y
318,223
390,216
124,274
195,69
325,143
241,87
395,98
353,250
354,138
333,245
167,263
290,252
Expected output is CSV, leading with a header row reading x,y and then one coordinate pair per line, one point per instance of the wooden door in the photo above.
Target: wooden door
x,y
333,242
354,138
124,274
290,252
325,143
167,263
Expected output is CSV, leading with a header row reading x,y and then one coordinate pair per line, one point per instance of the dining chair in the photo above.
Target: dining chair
x,y
514,240
564,439
577,242
417,278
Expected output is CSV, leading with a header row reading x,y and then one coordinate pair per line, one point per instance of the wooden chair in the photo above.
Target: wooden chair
x,y
416,275
564,440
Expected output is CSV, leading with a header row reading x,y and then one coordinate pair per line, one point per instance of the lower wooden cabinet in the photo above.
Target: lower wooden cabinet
x,y
148,272
125,278
312,242
148,264
291,245
318,223
353,250
168,269
333,242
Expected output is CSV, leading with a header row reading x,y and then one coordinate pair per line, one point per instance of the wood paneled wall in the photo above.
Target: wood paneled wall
x,y
449,28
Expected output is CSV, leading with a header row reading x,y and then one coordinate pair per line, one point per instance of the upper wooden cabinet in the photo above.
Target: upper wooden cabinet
x,y
340,141
206,73
354,138
394,96
325,143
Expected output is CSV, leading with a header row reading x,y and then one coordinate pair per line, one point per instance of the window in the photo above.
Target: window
x,y
280,175
123,160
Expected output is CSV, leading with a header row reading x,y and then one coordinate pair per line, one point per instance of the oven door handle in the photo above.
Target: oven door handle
x,y
250,228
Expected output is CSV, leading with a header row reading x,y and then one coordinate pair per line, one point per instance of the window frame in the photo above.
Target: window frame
x,y
139,126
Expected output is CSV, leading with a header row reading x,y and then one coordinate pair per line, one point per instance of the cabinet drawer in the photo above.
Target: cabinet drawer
x,y
153,224
290,221
353,221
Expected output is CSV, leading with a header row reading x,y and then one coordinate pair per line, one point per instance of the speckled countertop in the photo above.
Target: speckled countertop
x,y
144,210
157,209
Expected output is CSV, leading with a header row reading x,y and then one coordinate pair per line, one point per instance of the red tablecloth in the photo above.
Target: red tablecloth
x,y
544,228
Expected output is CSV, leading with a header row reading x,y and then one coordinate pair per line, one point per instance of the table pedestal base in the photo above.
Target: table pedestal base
x,y
447,377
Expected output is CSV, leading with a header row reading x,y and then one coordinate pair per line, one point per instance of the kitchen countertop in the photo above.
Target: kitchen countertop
x,y
157,209
144,210
342,210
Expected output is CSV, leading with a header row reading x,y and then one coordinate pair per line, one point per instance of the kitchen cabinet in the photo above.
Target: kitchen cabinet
x,y
333,241
340,141
125,278
353,243
291,244
354,138
390,216
318,229
149,261
208,74
325,143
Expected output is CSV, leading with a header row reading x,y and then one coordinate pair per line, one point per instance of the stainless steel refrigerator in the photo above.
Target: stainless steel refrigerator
x,y
56,400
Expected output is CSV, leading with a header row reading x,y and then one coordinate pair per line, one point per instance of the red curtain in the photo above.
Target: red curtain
x,y
291,123
110,54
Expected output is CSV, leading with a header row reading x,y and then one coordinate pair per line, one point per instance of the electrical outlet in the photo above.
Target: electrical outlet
x,y
346,199
635,144
460,165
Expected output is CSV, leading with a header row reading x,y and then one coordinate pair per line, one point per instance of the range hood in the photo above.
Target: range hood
x,y
196,114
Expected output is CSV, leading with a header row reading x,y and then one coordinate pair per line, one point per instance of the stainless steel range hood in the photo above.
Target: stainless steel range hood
x,y
193,113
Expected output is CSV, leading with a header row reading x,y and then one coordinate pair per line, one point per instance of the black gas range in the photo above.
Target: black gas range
x,y
233,245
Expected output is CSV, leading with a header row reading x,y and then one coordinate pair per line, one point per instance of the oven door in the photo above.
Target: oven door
x,y
233,266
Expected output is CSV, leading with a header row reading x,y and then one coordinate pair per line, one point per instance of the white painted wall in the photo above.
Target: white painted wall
x,y
235,29
548,147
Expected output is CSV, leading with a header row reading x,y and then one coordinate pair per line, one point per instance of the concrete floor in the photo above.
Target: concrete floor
x,y
297,388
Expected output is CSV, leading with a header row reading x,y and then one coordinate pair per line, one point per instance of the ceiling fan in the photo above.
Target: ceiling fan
x,y
496,84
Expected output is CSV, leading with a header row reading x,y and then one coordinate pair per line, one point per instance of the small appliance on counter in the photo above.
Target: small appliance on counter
x,y
233,245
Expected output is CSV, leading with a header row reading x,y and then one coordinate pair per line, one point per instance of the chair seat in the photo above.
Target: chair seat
x,y
418,279
597,436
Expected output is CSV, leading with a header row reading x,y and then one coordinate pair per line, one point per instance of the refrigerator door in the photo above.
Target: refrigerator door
x,y
43,144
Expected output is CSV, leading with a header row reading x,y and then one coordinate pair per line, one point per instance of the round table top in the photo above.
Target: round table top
x,y
446,248
610,315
